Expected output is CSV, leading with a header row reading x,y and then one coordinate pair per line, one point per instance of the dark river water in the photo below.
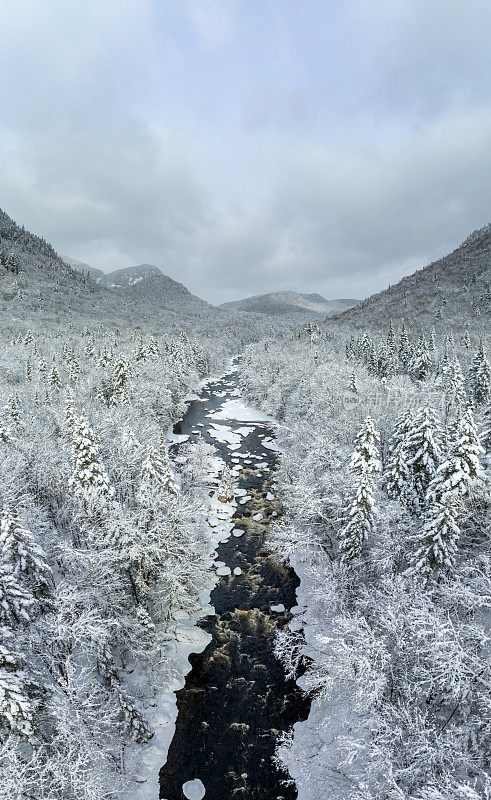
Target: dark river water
x,y
236,699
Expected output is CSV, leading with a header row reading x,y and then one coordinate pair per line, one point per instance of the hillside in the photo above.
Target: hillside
x,y
147,284
455,288
97,275
274,303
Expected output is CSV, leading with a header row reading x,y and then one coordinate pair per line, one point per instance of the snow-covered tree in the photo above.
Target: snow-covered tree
x,y
352,383
156,477
479,379
360,514
24,557
133,720
461,472
423,449
54,380
437,542
89,480
16,705
421,362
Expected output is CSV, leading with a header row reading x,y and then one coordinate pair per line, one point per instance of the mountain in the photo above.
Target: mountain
x,y
454,289
130,276
146,284
97,275
288,303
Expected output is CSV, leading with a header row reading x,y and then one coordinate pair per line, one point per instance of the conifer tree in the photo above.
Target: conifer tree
x,y
423,450
120,379
141,350
24,558
350,349
73,370
455,394
404,352
437,542
359,517
54,380
4,433
352,383
486,434
480,378
13,410
132,719
459,476
153,347
391,341
16,705
461,471
421,363
69,418
89,479
42,368
156,477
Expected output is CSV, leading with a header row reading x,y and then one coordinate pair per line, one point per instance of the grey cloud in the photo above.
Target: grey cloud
x,y
274,201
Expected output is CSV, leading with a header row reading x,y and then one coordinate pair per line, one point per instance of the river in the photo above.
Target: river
x,y
236,699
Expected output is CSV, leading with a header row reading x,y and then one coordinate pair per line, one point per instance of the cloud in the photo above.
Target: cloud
x,y
245,147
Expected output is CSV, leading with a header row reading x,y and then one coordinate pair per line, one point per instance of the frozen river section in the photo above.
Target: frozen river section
x,y
237,700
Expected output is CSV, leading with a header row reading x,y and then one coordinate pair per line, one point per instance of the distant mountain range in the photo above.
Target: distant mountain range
x,y
33,278
288,303
146,279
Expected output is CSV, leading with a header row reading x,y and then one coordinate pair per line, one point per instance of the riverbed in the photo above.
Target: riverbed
x,y
237,700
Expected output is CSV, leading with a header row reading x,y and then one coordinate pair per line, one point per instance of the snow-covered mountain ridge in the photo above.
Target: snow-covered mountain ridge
x,y
288,303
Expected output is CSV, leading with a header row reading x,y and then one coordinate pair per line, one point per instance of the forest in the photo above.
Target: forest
x,y
385,487
381,497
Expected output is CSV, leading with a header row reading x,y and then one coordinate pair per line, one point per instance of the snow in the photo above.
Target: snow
x,y
224,434
235,409
193,790
237,571
280,607
270,445
244,431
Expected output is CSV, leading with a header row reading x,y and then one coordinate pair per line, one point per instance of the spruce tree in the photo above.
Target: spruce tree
x,y
437,542
42,368
352,383
422,445
156,477
404,352
422,362
397,475
54,380
16,705
461,471
479,378
359,516
24,558
89,479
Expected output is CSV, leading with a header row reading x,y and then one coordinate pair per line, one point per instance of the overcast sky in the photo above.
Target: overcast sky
x,y
246,146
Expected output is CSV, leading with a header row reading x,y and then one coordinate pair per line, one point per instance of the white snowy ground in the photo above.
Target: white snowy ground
x,y
144,762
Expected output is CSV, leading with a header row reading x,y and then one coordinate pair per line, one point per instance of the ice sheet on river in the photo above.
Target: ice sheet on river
x,y
236,410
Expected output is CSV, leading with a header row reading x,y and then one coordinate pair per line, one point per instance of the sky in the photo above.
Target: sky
x,y
247,146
